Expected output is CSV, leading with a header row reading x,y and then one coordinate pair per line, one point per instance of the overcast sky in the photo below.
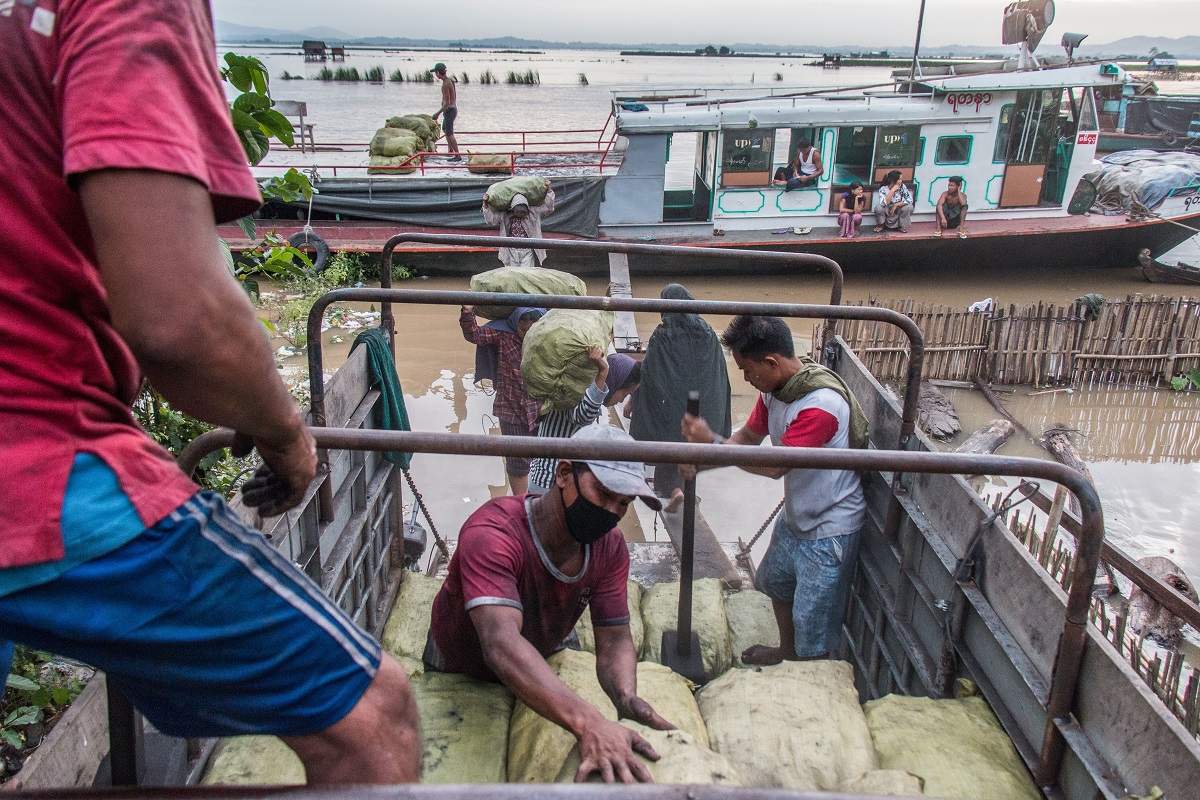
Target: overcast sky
x,y
833,22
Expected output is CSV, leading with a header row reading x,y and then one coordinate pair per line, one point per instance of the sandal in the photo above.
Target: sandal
x,y
962,234
718,232
937,233
879,229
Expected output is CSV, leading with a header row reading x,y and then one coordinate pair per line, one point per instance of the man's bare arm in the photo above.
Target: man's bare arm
x,y
604,746
616,669
190,325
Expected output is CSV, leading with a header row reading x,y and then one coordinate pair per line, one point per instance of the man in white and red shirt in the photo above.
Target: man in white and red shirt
x,y
807,567
118,159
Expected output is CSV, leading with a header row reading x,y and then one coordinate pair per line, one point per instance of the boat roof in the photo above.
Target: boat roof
x,y
671,110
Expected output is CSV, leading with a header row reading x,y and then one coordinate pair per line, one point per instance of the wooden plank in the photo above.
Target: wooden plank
x,y
711,561
625,332
71,753
346,389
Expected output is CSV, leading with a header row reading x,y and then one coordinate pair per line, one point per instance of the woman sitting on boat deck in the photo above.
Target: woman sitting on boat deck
x,y
851,208
617,377
893,205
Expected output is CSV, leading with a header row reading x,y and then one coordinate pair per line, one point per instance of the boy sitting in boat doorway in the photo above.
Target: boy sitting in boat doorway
x,y
952,208
520,221
803,171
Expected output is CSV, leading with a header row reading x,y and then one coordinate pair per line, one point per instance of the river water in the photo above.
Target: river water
x,y
1137,444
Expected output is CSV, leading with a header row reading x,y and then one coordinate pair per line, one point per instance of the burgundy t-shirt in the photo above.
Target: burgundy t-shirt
x,y
499,562
89,85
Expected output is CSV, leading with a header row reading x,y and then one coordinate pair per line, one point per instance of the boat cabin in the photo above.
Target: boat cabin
x,y
705,159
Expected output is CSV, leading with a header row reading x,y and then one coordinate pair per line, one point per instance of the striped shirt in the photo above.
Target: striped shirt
x,y
563,424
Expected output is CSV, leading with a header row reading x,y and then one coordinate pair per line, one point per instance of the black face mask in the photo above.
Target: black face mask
x,y
587,521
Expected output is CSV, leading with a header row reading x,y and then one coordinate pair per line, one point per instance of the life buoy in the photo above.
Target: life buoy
x,y
1170,138
311,242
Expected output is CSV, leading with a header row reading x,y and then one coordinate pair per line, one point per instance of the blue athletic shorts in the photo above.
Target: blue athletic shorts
x,y
448,117
814,576
207,629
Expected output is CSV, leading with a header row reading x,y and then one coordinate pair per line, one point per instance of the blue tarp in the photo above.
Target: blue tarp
x,y
1147,175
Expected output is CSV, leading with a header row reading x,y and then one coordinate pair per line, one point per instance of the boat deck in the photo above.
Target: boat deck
x,y
351,161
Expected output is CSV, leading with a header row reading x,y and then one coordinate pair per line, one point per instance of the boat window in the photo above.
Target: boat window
x,y
1003,134
746,156
953,150
1087,116
897,146
1034,126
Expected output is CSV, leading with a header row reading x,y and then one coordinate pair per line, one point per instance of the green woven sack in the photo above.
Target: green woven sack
x,y
751,622
407,626
499,195
389,165
554,364
394,142
426,130
660,611
489,164
587,636
957,746
523,280
254,761
683,759
464,728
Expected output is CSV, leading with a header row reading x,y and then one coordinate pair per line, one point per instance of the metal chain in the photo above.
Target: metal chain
x,y
441,543
762,529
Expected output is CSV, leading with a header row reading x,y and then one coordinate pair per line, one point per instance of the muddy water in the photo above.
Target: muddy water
x,y
1140,445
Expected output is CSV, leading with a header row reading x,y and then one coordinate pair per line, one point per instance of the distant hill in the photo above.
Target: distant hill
x,y
1133,46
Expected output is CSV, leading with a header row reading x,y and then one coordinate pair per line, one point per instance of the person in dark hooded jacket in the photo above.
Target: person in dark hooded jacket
x,y
684,354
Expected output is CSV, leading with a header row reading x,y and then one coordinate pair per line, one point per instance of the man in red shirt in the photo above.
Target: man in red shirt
x,y
524,571
118,159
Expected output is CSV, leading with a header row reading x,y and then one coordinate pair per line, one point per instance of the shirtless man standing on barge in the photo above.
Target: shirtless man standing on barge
x,y
449,110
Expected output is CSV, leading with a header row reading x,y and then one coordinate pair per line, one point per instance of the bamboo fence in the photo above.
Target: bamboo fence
x,y
1137,341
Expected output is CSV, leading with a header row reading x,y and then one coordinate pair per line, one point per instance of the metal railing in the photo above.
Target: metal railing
x,y
1069,654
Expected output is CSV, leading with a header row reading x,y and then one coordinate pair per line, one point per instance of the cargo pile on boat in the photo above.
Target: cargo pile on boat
x,y
397,141
797,725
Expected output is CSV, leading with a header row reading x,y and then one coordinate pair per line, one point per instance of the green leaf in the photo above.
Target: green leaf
x,y
248,226
243,121
20,683
1193,376
276,125
240,76
267,324
61,695
255,144
226,254
11,738
1179,384
251,102
24,715
251,287
40,698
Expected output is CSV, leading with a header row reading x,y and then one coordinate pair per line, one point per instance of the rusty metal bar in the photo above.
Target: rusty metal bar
x,y
1068,660
387,296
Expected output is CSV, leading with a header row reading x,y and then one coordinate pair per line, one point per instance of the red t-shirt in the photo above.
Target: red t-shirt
x,y
89,85
498,562
812,427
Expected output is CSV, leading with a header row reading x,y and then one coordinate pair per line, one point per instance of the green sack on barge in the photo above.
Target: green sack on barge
x,y
670,694
957,746
683,760
499,195
887,782
660,611
523,280
751,622
464,728
489,164
394,142
254,761
407,626
389,165
587,636
554,364
796,725
537,748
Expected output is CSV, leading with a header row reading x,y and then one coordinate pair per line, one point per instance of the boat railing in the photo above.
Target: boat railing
x,y
714,98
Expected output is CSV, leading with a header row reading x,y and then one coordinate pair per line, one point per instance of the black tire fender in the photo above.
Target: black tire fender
x,y
311,241
1170,138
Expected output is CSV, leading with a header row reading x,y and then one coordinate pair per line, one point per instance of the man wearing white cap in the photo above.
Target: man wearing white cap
x,y
521,221
524,571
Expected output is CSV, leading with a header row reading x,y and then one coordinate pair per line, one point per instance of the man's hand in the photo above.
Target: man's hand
x,y
695,429
638,710
612,750
288,469
595,354
468,309
437,113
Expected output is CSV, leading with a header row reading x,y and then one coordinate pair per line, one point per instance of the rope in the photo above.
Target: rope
x,y
420,501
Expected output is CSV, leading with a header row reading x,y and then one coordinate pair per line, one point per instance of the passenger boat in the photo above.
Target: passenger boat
x,y
695,168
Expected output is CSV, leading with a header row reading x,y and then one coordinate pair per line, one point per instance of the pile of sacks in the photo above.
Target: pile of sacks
x,y
796,726
399,140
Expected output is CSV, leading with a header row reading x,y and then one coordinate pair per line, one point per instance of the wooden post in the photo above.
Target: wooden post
x,y
989,438
1056,512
